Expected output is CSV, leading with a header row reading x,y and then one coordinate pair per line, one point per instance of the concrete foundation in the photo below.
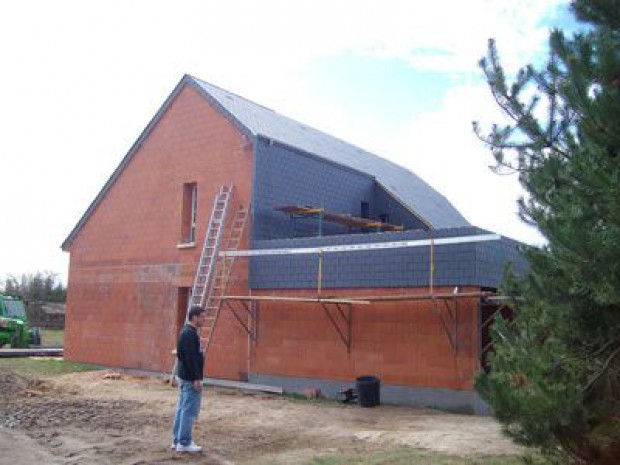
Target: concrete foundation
x,y
445,399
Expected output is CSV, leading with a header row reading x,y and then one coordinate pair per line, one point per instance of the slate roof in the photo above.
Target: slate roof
x,y
406,187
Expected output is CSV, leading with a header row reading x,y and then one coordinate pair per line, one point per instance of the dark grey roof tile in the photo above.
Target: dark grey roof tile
x,y
404,185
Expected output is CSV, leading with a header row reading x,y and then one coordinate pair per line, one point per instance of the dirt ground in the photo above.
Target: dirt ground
x,y
84,418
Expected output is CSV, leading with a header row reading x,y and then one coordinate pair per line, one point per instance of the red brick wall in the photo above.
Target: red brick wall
x,y
401,342
125,267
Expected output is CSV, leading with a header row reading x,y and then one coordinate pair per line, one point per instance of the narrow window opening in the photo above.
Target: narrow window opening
x,y
384,218
189,212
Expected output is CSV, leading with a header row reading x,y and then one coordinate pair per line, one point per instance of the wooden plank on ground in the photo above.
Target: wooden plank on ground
x,y
243,385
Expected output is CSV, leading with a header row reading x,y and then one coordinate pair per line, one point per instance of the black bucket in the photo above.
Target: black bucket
x,y
368,391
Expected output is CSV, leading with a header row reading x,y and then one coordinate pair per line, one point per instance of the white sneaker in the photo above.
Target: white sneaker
x,y
173,446
191,448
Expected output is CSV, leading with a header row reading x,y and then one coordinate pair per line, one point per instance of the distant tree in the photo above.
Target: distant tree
x,y
42,285
11,286
58,293
554,380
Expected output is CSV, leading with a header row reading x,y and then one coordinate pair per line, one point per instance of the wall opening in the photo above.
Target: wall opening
x,y
489,311
183,294
365,210
188,212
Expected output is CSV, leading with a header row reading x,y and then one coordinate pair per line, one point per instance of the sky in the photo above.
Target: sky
x,y
81,79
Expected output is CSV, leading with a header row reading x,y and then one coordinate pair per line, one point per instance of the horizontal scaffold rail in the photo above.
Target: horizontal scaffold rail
x,y
359,247
275,298
364,300
442,296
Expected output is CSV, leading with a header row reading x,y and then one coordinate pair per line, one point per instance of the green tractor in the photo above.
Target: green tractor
x,y
14,328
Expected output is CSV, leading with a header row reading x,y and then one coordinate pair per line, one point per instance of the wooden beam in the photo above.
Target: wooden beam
x,y
243,385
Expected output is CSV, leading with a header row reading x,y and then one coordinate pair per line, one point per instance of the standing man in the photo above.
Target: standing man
x,y
190,355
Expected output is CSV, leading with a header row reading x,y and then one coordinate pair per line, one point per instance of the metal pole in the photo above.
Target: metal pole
x,y
320,274
431,277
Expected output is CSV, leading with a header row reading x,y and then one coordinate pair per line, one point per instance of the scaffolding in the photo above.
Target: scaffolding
x,y
338,309
343,219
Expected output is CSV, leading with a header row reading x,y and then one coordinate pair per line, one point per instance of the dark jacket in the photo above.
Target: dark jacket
x,y
191,359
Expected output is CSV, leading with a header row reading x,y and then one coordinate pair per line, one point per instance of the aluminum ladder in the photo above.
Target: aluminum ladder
x,y
208,257
222,278
210,249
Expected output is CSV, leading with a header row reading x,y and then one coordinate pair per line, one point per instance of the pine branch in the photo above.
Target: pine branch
x,y
602,371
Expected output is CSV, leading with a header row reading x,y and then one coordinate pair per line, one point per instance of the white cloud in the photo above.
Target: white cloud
x,y
442,148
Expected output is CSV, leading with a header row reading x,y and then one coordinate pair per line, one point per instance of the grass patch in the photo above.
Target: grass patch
x,y
411,456
43,367
52,337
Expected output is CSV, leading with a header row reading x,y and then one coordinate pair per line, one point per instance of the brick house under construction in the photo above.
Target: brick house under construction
x,y
348,264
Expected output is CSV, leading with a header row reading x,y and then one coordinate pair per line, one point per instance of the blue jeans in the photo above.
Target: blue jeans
x,y
187,412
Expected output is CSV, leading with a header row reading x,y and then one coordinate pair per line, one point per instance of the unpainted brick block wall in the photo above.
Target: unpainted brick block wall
x,y
401,342
126,271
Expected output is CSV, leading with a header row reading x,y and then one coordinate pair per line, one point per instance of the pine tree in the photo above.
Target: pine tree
x,y
554,381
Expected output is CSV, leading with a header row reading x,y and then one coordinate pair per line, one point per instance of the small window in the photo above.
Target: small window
x,y
189,211
365,210
384,218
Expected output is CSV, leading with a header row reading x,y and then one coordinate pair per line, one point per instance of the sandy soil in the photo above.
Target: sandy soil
x,y
84,418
